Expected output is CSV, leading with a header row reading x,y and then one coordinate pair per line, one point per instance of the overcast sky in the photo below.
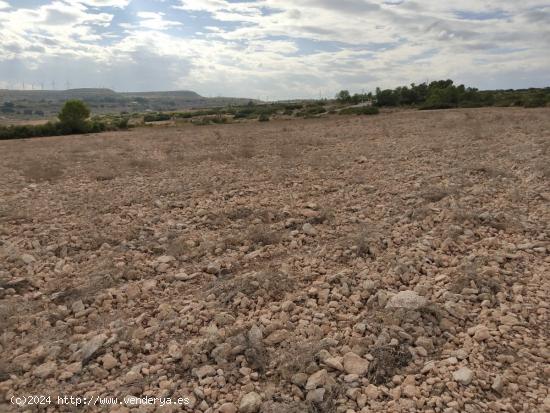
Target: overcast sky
x,y
272,48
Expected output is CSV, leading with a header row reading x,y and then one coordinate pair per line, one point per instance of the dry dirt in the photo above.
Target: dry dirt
x,y
395,263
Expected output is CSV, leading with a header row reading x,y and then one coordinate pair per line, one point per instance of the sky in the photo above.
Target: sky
x,y
272,49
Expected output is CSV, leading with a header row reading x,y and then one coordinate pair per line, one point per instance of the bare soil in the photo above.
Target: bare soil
x,y
264,260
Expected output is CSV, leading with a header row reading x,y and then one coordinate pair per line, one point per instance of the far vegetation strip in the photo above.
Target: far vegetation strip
x,y
442,94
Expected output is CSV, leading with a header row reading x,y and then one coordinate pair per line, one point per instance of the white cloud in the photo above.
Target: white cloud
x,y
155,21
106,3
285,48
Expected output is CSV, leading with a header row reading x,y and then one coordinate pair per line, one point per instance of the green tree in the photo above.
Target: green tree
x,y
343,96
73,116
387,97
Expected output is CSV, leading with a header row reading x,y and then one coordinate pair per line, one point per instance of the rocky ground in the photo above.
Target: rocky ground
x,y
396,263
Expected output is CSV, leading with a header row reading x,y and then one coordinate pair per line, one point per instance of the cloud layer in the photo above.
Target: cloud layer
x,y
272,48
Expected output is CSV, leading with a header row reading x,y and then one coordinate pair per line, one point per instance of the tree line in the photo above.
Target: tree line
x,y
72,119
444,94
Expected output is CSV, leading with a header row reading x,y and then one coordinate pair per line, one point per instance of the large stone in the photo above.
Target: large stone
x,y
308,229
213,268
228,408
498,384
317,379
109,362
407,299
316,396
372,392
205,371
276,337
91,347
250,403
481,333
353,364
463,375
174,350
299,379
164,259
334,363
27,258
45,370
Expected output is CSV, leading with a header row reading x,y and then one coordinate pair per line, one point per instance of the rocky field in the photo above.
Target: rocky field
x,y
395,263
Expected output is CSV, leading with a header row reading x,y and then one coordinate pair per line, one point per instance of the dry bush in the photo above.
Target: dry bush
x,y
500,221
488,286
387,362
239,213
104,171
287,149
366,242
474,127
328,405
41,171
245,150
11,212
435,194
263,235
231,242
269,215
325,215
142,164
297,356
543,168
284,407
222,157
175,155
271,285
491,171
309,140
179,247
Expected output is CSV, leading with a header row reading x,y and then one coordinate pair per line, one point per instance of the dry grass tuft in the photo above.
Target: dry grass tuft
x,y
40,171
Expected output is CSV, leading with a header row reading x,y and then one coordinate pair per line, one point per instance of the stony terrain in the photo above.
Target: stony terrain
x,y
396,263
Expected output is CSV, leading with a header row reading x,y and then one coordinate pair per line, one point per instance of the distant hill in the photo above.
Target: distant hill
x,y
181,94
34,104
38,95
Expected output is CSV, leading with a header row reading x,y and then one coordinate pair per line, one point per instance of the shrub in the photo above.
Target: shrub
x,y
96,127
312,111
219,119
363,110
536,101
264,117
156,117
243,114
122,123
73,116
29,131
